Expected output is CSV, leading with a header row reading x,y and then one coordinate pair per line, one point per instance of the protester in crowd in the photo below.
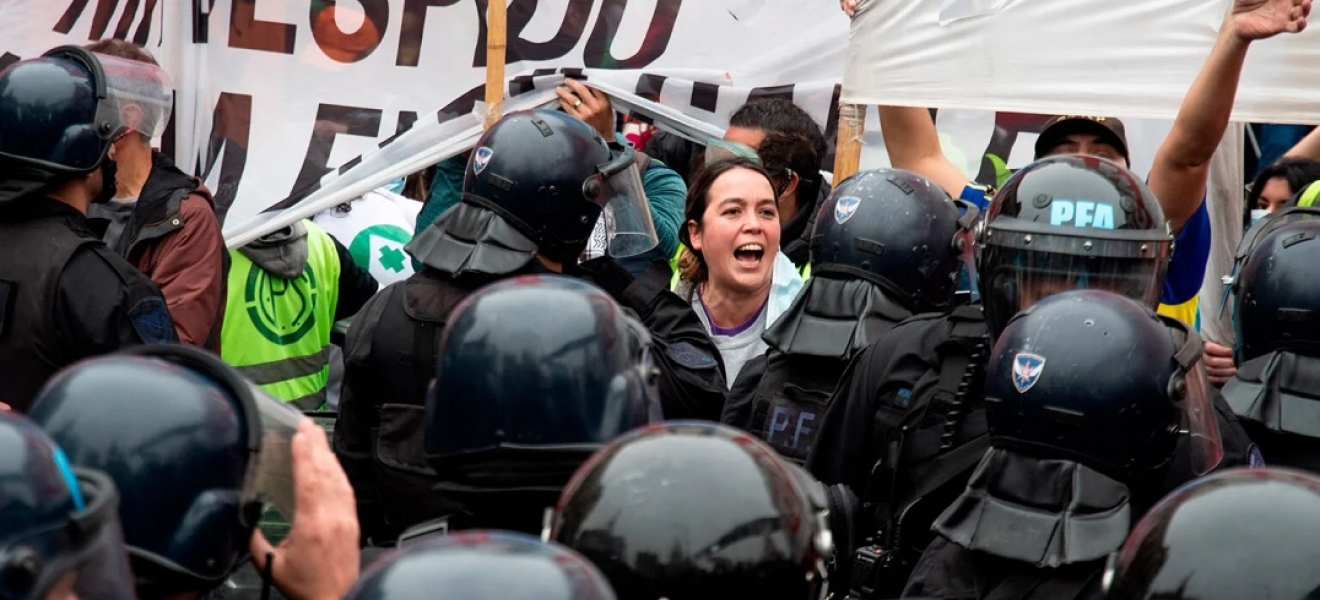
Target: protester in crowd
x,y
286,291
732,236
1279,183
64,295
162,219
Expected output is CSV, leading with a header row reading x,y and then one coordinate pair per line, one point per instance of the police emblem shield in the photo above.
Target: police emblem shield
x,y
845,208
480,159
1027,368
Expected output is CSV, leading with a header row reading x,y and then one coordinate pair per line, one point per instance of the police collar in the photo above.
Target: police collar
x,y
1067,514
835,317
1280,391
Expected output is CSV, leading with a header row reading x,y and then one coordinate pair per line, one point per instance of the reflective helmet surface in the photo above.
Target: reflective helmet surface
x,y
694,510
897,228
534,168
1069,372
55,113
1276,303
483,565
1243,533
539,362
1069,222
178,445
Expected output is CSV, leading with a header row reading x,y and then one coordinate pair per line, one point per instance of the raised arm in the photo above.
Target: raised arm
x,y
914,145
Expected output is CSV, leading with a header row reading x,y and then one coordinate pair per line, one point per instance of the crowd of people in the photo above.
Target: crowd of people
x,y
643,367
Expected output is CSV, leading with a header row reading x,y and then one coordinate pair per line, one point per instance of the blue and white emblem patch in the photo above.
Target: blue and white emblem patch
x,y
480,159
1255,459
845,208
1027,368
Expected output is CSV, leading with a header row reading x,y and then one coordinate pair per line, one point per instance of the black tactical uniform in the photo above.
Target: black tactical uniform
x,y
907,423
535,186
888,244
64,295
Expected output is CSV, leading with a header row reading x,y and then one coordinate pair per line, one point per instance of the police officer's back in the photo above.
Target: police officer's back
x,y
1076,454
903,427
63,294
520,403
535,187
888,244
1277,338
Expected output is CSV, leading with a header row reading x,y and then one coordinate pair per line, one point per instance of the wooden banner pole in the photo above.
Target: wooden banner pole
x,y
496,36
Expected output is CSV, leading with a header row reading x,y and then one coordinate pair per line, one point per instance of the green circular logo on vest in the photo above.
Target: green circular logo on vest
x,y
282,310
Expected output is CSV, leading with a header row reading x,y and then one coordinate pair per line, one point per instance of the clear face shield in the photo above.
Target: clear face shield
x,y
83,558
141,93
719,149
625,228
1020,268
1190,389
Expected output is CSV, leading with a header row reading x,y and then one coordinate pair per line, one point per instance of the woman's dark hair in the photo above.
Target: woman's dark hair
x,y
691,265
1298,172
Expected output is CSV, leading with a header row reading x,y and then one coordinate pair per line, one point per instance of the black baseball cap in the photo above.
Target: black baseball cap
x,y
1109,129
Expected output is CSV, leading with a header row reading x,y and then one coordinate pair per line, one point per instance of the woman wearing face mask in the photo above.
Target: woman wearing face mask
x,y
1276,184
731,271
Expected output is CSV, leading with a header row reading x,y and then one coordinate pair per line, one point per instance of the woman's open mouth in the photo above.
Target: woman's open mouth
x,y
749,254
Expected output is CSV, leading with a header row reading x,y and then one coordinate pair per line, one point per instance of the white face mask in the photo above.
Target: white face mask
x,y
1257,214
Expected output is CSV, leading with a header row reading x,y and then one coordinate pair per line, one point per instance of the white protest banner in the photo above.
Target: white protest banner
x,y
1110,57
276,97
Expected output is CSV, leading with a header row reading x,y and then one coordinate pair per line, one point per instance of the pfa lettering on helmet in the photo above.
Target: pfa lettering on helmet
x,y
1082,213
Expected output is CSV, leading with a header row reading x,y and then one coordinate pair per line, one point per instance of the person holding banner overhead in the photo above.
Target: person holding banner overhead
x,y
536,185
64,295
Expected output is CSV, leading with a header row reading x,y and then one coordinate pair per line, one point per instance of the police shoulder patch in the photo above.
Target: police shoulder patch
x,y
845,208
151,320
690,356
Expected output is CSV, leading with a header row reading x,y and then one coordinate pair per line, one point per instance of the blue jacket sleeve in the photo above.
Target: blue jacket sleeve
x,y
1187,265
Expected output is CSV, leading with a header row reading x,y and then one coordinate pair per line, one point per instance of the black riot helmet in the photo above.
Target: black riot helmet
x,y
696,511
1096,378
539,363
194,449
1242,533
551,177
899,230
483,565
59,534
59,117
1276,286
1068,222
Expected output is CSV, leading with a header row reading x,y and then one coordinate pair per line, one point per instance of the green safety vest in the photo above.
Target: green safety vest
x,y
277,331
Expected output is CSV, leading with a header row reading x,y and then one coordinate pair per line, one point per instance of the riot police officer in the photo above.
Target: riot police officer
x,y
913,399
520,402
1277,333
889,244
59,534
196,451
64,295
1094,446
697,511
483,565
1237,534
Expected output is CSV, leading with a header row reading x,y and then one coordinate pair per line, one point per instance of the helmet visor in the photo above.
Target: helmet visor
x,y
628,229
1016,278
270,478
82,558
140,92
718,149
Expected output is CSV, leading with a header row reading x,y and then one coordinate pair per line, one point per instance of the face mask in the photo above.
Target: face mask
x,y
1258,214
107,182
